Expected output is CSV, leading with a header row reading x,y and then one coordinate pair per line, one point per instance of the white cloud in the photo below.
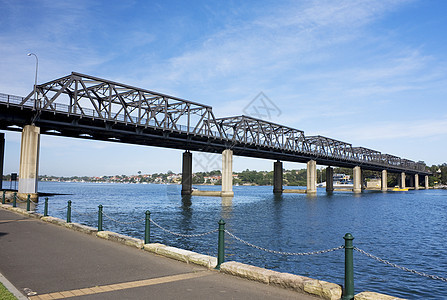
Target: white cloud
x,y
325,64
415,129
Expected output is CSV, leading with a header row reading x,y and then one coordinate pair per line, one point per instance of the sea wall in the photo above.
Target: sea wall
x,y
301,284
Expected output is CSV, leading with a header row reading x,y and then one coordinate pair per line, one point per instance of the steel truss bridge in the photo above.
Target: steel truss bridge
x,y
84,106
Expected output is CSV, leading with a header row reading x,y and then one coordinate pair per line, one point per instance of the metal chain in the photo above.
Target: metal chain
x,y
25,201
282,253
400,267
126,223
183,235
58,209
83,214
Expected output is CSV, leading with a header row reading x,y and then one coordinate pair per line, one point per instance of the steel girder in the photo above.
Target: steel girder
x,y
90,97
248,130
83,97
367,155
321,145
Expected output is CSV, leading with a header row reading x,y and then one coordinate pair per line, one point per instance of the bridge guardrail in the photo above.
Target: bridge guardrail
x,y
323,151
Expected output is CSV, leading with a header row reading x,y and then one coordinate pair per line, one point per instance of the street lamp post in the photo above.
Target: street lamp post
x,y
35,79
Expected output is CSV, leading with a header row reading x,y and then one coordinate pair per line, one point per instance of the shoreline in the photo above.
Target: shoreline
x,y
300,284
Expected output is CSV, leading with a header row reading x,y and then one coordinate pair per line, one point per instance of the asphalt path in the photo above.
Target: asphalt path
x,y
45,261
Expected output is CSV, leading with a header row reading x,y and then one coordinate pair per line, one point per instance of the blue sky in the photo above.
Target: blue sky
x,y
371,73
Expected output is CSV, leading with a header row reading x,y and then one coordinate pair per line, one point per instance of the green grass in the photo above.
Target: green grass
x,y
5,294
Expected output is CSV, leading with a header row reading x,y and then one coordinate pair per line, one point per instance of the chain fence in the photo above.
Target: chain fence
x,y
283,253
180,234
60,209
386,262
121,222
399,267
84,213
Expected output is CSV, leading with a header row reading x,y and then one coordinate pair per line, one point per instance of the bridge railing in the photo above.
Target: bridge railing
x,y
14,100
240,129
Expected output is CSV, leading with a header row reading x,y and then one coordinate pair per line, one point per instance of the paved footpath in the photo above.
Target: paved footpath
x,y
53,262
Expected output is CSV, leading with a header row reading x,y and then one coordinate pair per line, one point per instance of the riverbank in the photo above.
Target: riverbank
x,y
300,284
388,225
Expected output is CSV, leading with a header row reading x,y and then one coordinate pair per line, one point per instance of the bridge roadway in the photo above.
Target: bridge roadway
x,y
88,107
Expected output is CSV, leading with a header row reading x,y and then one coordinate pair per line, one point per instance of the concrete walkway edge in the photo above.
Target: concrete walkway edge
x,y
11,288
300,284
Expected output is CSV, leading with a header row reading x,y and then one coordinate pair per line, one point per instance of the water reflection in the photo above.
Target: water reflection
x,y
290,223
311,196
187,223
227,207
186,202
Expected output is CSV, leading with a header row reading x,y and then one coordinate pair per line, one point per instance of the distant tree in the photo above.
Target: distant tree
x,y
443,176
198,178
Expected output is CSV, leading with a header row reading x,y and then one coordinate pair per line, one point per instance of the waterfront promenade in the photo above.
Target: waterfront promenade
x,y
48,261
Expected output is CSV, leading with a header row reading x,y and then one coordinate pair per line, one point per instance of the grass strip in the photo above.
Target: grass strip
x,y
5,294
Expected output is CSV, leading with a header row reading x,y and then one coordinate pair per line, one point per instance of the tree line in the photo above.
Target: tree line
x,y
247,177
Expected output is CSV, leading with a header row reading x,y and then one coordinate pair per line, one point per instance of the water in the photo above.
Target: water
x,y
406,228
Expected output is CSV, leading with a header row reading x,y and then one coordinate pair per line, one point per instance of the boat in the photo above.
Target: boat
x,y
400,189
339,181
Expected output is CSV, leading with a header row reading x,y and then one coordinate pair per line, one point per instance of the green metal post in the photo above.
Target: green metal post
x,y
221,244
69,212
45,210
28,203
100,217
14,200
4,197
348,291
147,229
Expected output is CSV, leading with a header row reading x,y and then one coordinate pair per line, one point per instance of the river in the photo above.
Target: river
x,y
406,228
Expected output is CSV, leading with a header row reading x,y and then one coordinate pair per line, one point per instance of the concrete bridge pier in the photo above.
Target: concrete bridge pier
x,y
311,177
426,182
277,177
187,173
329,179
29,162
2,157
357,180
384,181
401,180
227,173
416,181
411,181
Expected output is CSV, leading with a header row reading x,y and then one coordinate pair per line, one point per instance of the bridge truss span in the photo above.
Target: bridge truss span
x,y
252,131
327,147
83,106
90,97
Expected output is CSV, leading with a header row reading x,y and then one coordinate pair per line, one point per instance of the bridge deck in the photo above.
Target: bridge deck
x,y
84,106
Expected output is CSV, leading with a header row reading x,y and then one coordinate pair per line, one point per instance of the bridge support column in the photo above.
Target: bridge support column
x,y
277,177
2,157
384,180
187,173
426,182
416,181
329,179
402,180
411,183
357,180
311,177
29,162
227,173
